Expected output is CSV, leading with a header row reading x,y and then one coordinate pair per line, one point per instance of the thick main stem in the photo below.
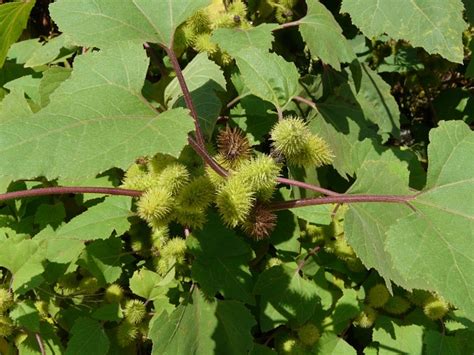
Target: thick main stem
x,y
60,190
187,95
284,205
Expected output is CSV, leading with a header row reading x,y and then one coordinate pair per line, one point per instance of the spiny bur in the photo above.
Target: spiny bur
x,y
436,308
396,305
127,333
196,195
191,218
135,311
155,204
378,295
260,223
6,326
114,293
173,177
6,300
234,201
294,140
260,174
366,318
308,334
233,145
89,285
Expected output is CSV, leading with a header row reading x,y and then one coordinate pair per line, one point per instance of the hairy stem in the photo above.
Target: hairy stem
x,y
39,340
187,95
284,205
305,101
60,190
288,24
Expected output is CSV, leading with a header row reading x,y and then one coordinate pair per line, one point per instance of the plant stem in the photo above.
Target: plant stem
x,y
288,24
40,343
284,205
187,96
306,186
202,152
305,101
60,190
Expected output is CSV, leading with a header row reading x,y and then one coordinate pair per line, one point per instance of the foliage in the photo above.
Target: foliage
x,y
288,177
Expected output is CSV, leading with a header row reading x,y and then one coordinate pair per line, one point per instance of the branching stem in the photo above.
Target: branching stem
x,y
187,95
305,101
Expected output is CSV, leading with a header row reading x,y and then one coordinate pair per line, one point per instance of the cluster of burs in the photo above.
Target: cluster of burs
x,y
180,191
196,32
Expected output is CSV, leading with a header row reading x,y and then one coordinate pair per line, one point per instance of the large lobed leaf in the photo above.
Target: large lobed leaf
x,y
97,119
431,247
435,25
268,76
96,23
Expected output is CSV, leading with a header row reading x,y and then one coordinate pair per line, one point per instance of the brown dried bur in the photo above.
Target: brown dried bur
x,y
260,223
233,145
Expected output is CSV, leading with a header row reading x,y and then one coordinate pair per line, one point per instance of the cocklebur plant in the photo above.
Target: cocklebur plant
x,y
218,176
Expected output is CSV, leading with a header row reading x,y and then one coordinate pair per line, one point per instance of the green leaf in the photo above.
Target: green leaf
x,y
26,315
13,20
49,51
52,343
324,37
27,83
102,259
454,104
23,258
14,106
235,40
390,336
108,312
432,247
331,344
199,326
314,214
147,284
435,25
285,296
366,224
51,80
439,344
88,337
347,308
342,124
219,269
204,79
99,221
376,101
97,23
50,215
269,76
97,119
23,50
